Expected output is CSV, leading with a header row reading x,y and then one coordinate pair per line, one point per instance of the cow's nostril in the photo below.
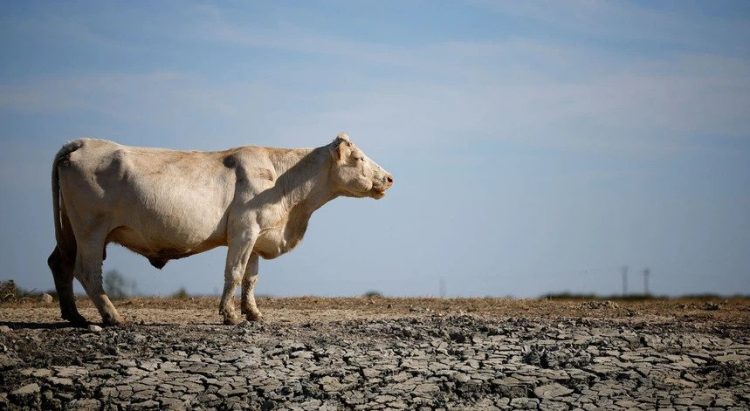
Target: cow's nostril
x,y
389,179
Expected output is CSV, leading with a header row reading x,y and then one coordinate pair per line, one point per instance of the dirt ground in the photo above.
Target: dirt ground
x,y
381,353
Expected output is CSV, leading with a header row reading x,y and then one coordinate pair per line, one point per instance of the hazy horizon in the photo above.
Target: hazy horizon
x,y
537,147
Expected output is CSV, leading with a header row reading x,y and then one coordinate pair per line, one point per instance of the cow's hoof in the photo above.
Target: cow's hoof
x,y
113,321
232,320
254,317
75,319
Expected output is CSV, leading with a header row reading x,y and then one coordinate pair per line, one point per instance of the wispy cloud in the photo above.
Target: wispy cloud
x,y
48,26
534,90
544,92
653,26
291,37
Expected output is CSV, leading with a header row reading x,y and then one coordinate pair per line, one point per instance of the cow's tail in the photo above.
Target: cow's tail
x,y
66,240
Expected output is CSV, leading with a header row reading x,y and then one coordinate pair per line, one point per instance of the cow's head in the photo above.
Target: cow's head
x,y
353,174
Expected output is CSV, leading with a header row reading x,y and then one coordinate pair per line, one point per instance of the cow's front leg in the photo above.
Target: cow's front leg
x,y
249,309
240,249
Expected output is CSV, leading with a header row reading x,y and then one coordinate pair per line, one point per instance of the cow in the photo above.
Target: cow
x,y
167,204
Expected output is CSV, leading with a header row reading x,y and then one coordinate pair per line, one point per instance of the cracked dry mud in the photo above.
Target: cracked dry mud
x,y
382,354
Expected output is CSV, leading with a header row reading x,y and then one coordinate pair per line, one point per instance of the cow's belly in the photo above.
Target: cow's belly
x,y
156,249
155,217
163,245
178,233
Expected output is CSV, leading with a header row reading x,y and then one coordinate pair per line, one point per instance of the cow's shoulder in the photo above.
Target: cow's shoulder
x,y
252,165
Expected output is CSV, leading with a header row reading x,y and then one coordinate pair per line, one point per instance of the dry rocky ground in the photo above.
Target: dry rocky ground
x,y
359,353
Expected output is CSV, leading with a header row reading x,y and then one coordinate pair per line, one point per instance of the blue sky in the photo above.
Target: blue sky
x,y
536,146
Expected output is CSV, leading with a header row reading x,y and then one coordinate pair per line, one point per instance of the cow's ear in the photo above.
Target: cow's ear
x,y
341,147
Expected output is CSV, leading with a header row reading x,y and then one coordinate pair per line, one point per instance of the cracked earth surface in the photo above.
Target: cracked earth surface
x,y
360,353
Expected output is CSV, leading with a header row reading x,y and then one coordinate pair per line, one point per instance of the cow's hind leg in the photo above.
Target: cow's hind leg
x,y
88,270
62,272
238,255
248,306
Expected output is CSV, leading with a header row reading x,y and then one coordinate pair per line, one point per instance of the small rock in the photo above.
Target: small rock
x,y
524,403
426,389
551,391
29,389
461,377
36,372
5,329
173,404
732,358
330,384
61,382
383,399
71,371
595,305
103,373
302,354
47,299
724,402
95,328
8,362
144,405
532,357
85,404
457,336
711,306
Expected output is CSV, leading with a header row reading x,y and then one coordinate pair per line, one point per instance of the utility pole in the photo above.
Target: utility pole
x,y
646,273
624,280
442,287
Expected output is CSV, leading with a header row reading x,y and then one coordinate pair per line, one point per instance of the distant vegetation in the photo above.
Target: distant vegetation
x,y
633,297
372,294
181,294
117,286
9,291
574,296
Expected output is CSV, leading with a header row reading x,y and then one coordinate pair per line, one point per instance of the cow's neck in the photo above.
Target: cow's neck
x,y
303,177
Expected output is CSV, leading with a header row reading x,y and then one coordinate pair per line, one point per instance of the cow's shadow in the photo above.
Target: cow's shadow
x,y
27,325
24,325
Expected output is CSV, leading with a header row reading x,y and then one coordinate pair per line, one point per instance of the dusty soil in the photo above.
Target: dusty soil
x,y
382,353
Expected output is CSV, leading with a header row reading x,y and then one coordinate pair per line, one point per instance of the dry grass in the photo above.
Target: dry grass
x,y
733,312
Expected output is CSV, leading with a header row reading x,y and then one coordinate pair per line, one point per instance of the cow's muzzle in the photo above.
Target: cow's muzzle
x,y
378,189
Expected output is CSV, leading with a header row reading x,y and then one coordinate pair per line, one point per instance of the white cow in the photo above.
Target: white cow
x,y
166,204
